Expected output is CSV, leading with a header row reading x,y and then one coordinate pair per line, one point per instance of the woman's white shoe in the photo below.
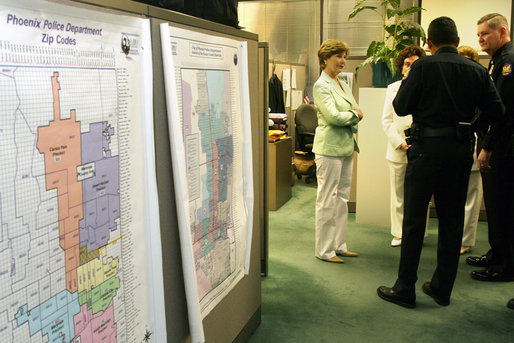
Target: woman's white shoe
x,y
396,242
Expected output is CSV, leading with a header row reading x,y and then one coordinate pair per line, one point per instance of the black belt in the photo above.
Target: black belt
x,y
438,132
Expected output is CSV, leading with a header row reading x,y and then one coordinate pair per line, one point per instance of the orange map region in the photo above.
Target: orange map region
x,y
60,143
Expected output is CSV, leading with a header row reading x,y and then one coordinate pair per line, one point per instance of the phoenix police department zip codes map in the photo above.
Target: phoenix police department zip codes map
x,y
72,181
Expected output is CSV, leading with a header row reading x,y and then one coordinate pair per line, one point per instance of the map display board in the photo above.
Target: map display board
x,y
79,240
206,81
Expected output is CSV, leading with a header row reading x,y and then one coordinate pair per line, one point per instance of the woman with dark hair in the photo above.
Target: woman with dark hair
x,y
397,147
334,144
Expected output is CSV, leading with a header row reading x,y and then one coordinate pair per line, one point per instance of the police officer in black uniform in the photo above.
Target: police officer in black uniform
x,y
498,177
442,92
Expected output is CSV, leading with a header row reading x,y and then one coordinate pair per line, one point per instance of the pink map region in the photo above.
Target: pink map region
x,y
98,328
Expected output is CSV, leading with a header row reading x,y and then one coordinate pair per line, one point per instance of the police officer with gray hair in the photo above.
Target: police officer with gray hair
x,y
498,176
441,91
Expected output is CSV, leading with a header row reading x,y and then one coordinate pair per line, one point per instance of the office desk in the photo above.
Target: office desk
x,y
279,173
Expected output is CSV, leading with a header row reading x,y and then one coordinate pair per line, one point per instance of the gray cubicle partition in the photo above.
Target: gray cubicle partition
x,y
238,314
263,132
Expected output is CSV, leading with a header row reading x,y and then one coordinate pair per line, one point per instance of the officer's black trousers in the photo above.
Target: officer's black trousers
x,y
498,184
438,166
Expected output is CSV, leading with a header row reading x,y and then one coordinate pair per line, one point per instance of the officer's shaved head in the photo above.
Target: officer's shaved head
x,y
443,31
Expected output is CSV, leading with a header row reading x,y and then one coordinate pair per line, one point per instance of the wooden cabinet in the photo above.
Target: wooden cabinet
x,y
279,173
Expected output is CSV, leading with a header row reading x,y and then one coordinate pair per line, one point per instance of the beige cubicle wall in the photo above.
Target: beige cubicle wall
x,y
236,317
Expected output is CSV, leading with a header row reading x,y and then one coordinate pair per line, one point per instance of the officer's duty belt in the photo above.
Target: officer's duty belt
x,y
438,132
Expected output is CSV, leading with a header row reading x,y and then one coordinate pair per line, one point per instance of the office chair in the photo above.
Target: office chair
x,y
306,121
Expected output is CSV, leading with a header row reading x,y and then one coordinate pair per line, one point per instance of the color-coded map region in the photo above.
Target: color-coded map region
x,y
82,176
208,135
80,249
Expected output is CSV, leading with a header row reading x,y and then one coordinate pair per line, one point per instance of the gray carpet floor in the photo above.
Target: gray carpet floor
x,y
307,300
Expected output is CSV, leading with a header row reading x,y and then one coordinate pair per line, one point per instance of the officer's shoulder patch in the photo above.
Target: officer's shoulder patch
x,y
507,69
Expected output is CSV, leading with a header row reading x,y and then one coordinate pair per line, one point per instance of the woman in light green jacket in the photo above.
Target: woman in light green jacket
x,y
334,144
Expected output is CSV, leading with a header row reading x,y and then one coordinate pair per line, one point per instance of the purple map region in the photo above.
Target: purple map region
x,y
101,191
94,148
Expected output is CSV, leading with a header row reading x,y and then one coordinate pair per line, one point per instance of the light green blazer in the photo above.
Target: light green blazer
x,y
337,120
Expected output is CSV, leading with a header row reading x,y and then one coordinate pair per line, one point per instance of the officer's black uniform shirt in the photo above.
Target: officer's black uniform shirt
x,y
444,89
503,77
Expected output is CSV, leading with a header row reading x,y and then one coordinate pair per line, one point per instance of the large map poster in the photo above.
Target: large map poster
x,y
208,109
77,185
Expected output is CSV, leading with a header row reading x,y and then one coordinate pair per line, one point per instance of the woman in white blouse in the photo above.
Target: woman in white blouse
x,y
397,147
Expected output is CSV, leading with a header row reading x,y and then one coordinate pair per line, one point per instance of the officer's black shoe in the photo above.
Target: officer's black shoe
x,y
510,304
485,275
428,291
388,294
477,261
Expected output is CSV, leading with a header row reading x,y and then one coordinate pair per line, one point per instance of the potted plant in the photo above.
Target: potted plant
x,y
396,35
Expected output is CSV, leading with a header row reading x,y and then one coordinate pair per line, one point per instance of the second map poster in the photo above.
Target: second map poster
x,y
207,96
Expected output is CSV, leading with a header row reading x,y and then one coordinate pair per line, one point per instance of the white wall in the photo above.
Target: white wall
x,y
465,13
373,193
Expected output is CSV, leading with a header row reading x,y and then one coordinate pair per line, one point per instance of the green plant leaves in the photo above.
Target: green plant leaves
x,y
354,13
393,3
411,10
375,49
392,12
397,34
412,30
391,65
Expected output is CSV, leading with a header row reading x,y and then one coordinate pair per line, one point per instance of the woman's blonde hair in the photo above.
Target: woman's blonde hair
x,y
329,48
468,52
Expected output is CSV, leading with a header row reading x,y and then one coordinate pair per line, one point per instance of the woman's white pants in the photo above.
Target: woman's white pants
x,y
334,175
